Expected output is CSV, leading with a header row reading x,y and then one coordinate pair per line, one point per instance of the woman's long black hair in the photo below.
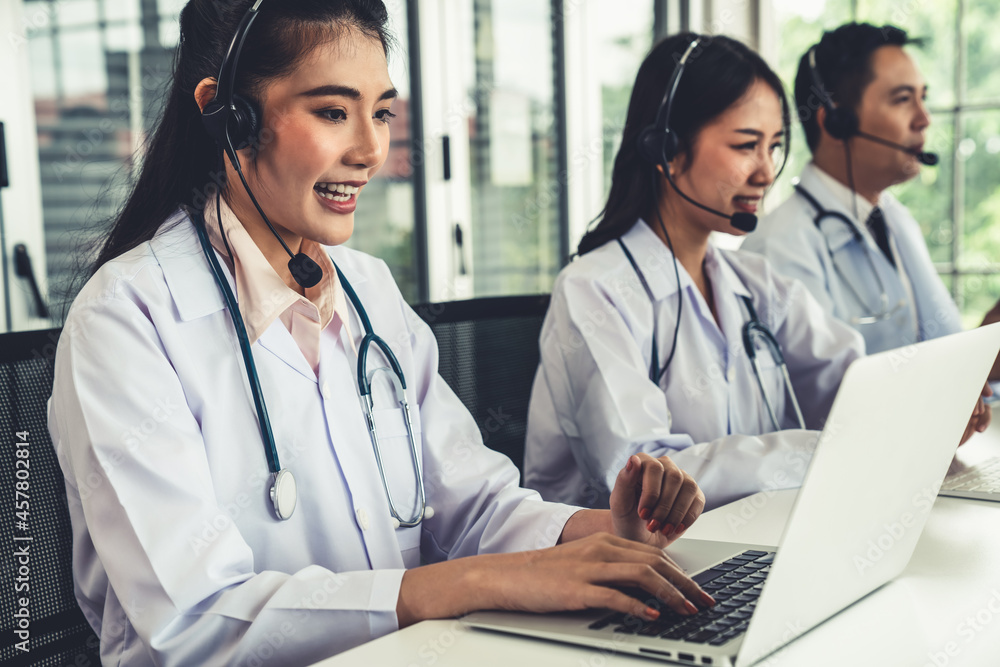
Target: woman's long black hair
x,y
181,157
718,74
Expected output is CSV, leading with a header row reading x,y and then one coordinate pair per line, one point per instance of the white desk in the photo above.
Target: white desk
x,y
943,611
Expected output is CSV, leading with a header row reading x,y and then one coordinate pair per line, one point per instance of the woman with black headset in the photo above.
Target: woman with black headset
x,y
657,341
259,467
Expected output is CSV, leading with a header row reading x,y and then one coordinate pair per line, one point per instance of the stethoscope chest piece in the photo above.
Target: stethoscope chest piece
x,y
284,494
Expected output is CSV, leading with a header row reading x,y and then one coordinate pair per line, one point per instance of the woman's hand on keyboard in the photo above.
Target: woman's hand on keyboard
x,y
589,573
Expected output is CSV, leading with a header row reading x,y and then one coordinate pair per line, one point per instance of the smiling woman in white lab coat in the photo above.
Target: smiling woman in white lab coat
x,y
188,549
642,353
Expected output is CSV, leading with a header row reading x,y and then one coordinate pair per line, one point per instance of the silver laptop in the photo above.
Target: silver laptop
x,y
873,478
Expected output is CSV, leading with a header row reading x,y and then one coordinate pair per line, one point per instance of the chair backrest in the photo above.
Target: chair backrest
x,y
38,609
488,356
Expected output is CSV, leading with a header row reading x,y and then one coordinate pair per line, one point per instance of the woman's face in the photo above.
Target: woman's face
x,y
732,160
329,122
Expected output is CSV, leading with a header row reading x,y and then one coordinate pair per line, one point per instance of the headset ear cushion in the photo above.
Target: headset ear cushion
x,y
649,144
657,146
244,122
214,117
671,145
841,123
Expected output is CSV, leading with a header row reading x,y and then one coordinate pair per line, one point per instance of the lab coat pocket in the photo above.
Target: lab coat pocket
x,y
397,464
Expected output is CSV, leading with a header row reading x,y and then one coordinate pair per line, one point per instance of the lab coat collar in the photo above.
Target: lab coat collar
x,y
656,263
654,260
722,275
848,198
837,235
189,278
185,269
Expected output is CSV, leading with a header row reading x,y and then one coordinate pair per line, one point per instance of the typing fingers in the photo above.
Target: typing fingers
x,y
656,589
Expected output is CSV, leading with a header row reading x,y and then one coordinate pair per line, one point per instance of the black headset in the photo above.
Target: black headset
x,y
841,123
658,143
233,121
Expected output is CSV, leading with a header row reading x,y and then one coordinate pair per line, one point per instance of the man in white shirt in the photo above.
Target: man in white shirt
x,y
861,101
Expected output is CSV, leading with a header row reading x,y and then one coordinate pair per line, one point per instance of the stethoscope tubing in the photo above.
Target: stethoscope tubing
x,y
751,327
270,449
283,477
884,312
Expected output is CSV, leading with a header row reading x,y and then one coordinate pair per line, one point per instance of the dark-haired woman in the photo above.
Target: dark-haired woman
x,y
643,350
195,544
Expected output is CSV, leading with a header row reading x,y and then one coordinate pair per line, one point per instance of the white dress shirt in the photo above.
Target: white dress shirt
x,y
178,558
837,267
593,403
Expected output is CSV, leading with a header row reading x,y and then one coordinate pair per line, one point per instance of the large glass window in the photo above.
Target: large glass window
x,y
957,203
99,69
623,36
513,147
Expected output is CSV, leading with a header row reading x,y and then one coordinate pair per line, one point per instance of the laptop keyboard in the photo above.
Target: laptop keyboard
x,y
735,584
984,477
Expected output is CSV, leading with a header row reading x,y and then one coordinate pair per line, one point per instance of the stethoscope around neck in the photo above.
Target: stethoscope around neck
x,y
884,312
283,491
753,330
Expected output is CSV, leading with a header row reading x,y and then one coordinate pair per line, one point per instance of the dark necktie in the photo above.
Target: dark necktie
x,y
876,225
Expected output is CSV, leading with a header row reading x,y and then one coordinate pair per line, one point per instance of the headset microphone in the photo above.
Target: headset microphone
x,y
745,222
233,121
923,157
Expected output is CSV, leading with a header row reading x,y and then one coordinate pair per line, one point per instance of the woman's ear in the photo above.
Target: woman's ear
x,y
679,164
204,92
675,166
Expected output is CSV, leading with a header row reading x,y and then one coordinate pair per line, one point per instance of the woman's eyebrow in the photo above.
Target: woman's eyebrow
x,y
345,91
757,133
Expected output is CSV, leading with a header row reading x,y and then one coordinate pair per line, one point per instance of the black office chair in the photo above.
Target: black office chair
x,y
57,633
488,356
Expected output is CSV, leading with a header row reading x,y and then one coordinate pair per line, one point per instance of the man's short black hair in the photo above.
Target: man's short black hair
x,y
843,59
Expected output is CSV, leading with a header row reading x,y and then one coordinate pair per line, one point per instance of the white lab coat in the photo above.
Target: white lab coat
x,y
790,239
593,404
178,559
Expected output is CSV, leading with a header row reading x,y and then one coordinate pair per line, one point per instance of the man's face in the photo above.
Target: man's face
x,y
892,107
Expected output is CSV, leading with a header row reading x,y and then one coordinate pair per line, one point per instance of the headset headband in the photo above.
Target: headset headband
x,y
226,81
663,114
825,96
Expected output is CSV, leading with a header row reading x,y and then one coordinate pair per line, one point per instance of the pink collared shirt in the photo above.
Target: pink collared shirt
x,y
263,296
